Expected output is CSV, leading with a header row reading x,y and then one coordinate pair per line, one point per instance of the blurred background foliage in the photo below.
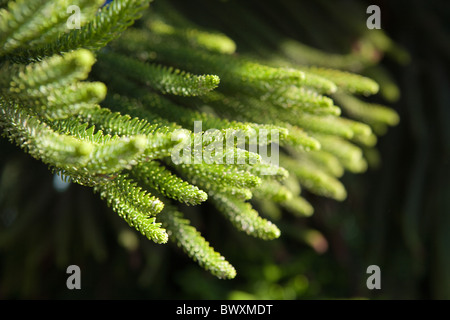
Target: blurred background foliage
x,y
396,216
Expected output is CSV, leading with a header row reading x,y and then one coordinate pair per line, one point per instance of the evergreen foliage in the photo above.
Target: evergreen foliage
x,y
106,105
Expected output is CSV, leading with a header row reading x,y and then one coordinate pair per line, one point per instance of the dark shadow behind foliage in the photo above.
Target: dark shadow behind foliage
x,y
396,216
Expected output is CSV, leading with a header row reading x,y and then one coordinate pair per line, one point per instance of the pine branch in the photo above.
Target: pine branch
x,y
237,74
16,16
221,176
136,206
324,160
58,70
349,155
40,141
164,79
88,10
38,24
65,151
60,102
245,218
178,113
156,176
272,190
187,237
298,206
346,81
370,113
315,180
195,37
107,25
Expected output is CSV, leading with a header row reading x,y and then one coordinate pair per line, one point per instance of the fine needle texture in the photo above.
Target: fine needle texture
x,y
156,113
